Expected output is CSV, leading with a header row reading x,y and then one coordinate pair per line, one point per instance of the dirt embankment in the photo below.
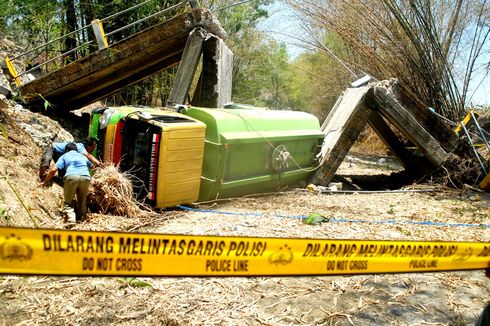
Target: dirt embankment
x,y
24,134
454,298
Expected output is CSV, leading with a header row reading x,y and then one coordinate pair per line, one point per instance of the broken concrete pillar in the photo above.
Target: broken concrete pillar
x,y
343,125
409,161
215,84
395,112
187,66
443,133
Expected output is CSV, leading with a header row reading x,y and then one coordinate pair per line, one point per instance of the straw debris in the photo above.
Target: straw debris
x,y
111,192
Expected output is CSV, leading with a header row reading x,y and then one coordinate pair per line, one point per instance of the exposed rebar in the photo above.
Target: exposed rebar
x,y
473,147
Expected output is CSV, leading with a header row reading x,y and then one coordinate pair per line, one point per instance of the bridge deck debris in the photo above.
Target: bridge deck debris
x,y
389,114
126,62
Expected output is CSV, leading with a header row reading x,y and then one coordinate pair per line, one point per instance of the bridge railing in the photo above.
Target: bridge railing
x,y
101,38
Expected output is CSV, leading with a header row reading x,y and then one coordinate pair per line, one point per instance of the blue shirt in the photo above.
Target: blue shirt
x,y
60,148
74,163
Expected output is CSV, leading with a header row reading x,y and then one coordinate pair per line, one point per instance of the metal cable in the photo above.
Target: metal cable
x,y
125,11
43,45
81,28
143,19
233,5
51,60
473,147
482,134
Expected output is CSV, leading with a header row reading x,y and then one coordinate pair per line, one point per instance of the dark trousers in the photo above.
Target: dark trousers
x,y
48,155
77,184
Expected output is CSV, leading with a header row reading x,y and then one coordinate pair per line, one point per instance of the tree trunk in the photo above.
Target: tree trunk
x,y
71,25
87,10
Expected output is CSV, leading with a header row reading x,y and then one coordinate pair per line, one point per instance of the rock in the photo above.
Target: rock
x,y
3,101
42,129
43,136
335,186
20,108
5,91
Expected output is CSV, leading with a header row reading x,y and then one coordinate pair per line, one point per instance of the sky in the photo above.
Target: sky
x,y
285,26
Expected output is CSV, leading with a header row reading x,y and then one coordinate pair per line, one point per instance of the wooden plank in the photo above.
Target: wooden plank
x,y
215,83
332,112
175,28
390,139
343,125
396,114
187,67
61,96
112,87
439,130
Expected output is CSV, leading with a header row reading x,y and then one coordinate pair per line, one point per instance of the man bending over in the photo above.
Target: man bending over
x,y
76,181
55,150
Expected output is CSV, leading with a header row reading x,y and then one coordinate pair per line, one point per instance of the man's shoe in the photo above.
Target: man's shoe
x,y
71,216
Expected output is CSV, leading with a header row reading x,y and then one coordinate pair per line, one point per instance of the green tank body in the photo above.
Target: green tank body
x,y
255,150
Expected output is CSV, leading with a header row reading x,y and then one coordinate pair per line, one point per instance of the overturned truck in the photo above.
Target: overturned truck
x,y
205,154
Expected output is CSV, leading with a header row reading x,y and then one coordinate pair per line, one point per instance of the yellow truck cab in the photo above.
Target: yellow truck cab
x,y
163,151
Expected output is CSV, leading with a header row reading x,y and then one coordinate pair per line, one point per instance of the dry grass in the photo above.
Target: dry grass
x,y
369,143
111,192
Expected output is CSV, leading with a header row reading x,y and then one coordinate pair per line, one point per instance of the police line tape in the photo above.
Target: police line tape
x,y
65,252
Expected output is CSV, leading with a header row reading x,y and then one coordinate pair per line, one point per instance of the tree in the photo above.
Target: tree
x,y
318,79
421,42
237,18
30,24
260,64
71,26
259,70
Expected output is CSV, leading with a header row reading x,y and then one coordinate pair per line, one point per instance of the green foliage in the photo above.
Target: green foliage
x,y
47,104
315,83
237,19
5,9
259,63
30,21
260,70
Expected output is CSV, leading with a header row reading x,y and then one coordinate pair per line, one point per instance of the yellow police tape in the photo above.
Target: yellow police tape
x,y
61,252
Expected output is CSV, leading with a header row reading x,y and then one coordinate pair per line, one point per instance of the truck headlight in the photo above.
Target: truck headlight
x,y
105,117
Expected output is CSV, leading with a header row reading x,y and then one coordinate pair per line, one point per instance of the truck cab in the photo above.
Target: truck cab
x,y
162,150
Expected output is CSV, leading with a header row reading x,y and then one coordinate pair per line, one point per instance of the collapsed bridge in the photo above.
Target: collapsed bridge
x,y
183,37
